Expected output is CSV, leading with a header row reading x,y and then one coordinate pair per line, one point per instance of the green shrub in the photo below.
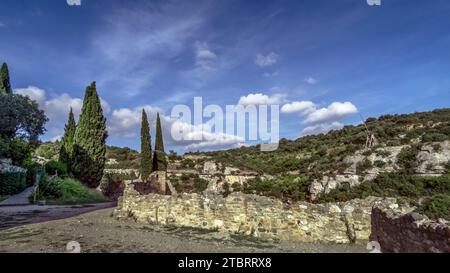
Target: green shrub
x,y
382,153
119,177
33,169
49,150
189,183
437,207
17,149
379,163
292,187
56,190
363,166
407,158
392,185
434,137
56,168
12,183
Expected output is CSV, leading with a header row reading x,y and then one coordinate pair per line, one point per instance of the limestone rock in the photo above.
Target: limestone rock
x,y
210,167
6,166
431,161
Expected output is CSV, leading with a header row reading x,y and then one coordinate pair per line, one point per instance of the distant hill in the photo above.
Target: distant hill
x,y
116,157
320,154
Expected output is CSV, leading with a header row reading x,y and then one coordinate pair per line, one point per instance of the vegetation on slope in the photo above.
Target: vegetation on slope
x,y
189,183
126,158
56,190
320,154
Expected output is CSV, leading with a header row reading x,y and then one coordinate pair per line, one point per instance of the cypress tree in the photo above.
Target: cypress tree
x,y
146,148
5,85
89,146
159,156
159,144
66,151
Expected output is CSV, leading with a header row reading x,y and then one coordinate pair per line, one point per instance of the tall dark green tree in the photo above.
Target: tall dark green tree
x,y
66,151
89,146
146,148
159,156
5,85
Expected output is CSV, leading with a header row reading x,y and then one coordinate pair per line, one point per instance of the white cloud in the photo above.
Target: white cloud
x,y
320,120
334,112
261,99
125,123
56,138
268,60
74,2
2,25
35,93
311,81
302,107
322,128
204,57
57,108
208,139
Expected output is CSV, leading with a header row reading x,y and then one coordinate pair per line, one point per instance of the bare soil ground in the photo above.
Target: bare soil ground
x,y
98,231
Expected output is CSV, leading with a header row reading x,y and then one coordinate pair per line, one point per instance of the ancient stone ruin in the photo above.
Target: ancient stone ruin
x,y
402,230
396,229
253,215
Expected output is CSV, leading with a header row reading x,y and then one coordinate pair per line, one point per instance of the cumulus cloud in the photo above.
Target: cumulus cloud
x,y
202,137
56,108
320,120
204,57
268,60
302,107
322,128
125,123
334,112
261,99
311,81
74,2
35,93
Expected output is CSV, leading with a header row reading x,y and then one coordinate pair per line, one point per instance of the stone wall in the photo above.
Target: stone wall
x,y
399,230
253,215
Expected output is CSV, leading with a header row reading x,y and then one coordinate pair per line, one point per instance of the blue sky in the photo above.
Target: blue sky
x,y
326,60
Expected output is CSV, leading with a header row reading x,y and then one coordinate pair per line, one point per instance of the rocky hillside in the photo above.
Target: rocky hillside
x,y
323,154
410,158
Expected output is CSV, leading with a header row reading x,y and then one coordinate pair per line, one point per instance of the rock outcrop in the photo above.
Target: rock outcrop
x,y
432,159
399,229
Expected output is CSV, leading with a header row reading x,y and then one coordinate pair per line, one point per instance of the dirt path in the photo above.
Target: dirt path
x,y
99,232
12,216
18,199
